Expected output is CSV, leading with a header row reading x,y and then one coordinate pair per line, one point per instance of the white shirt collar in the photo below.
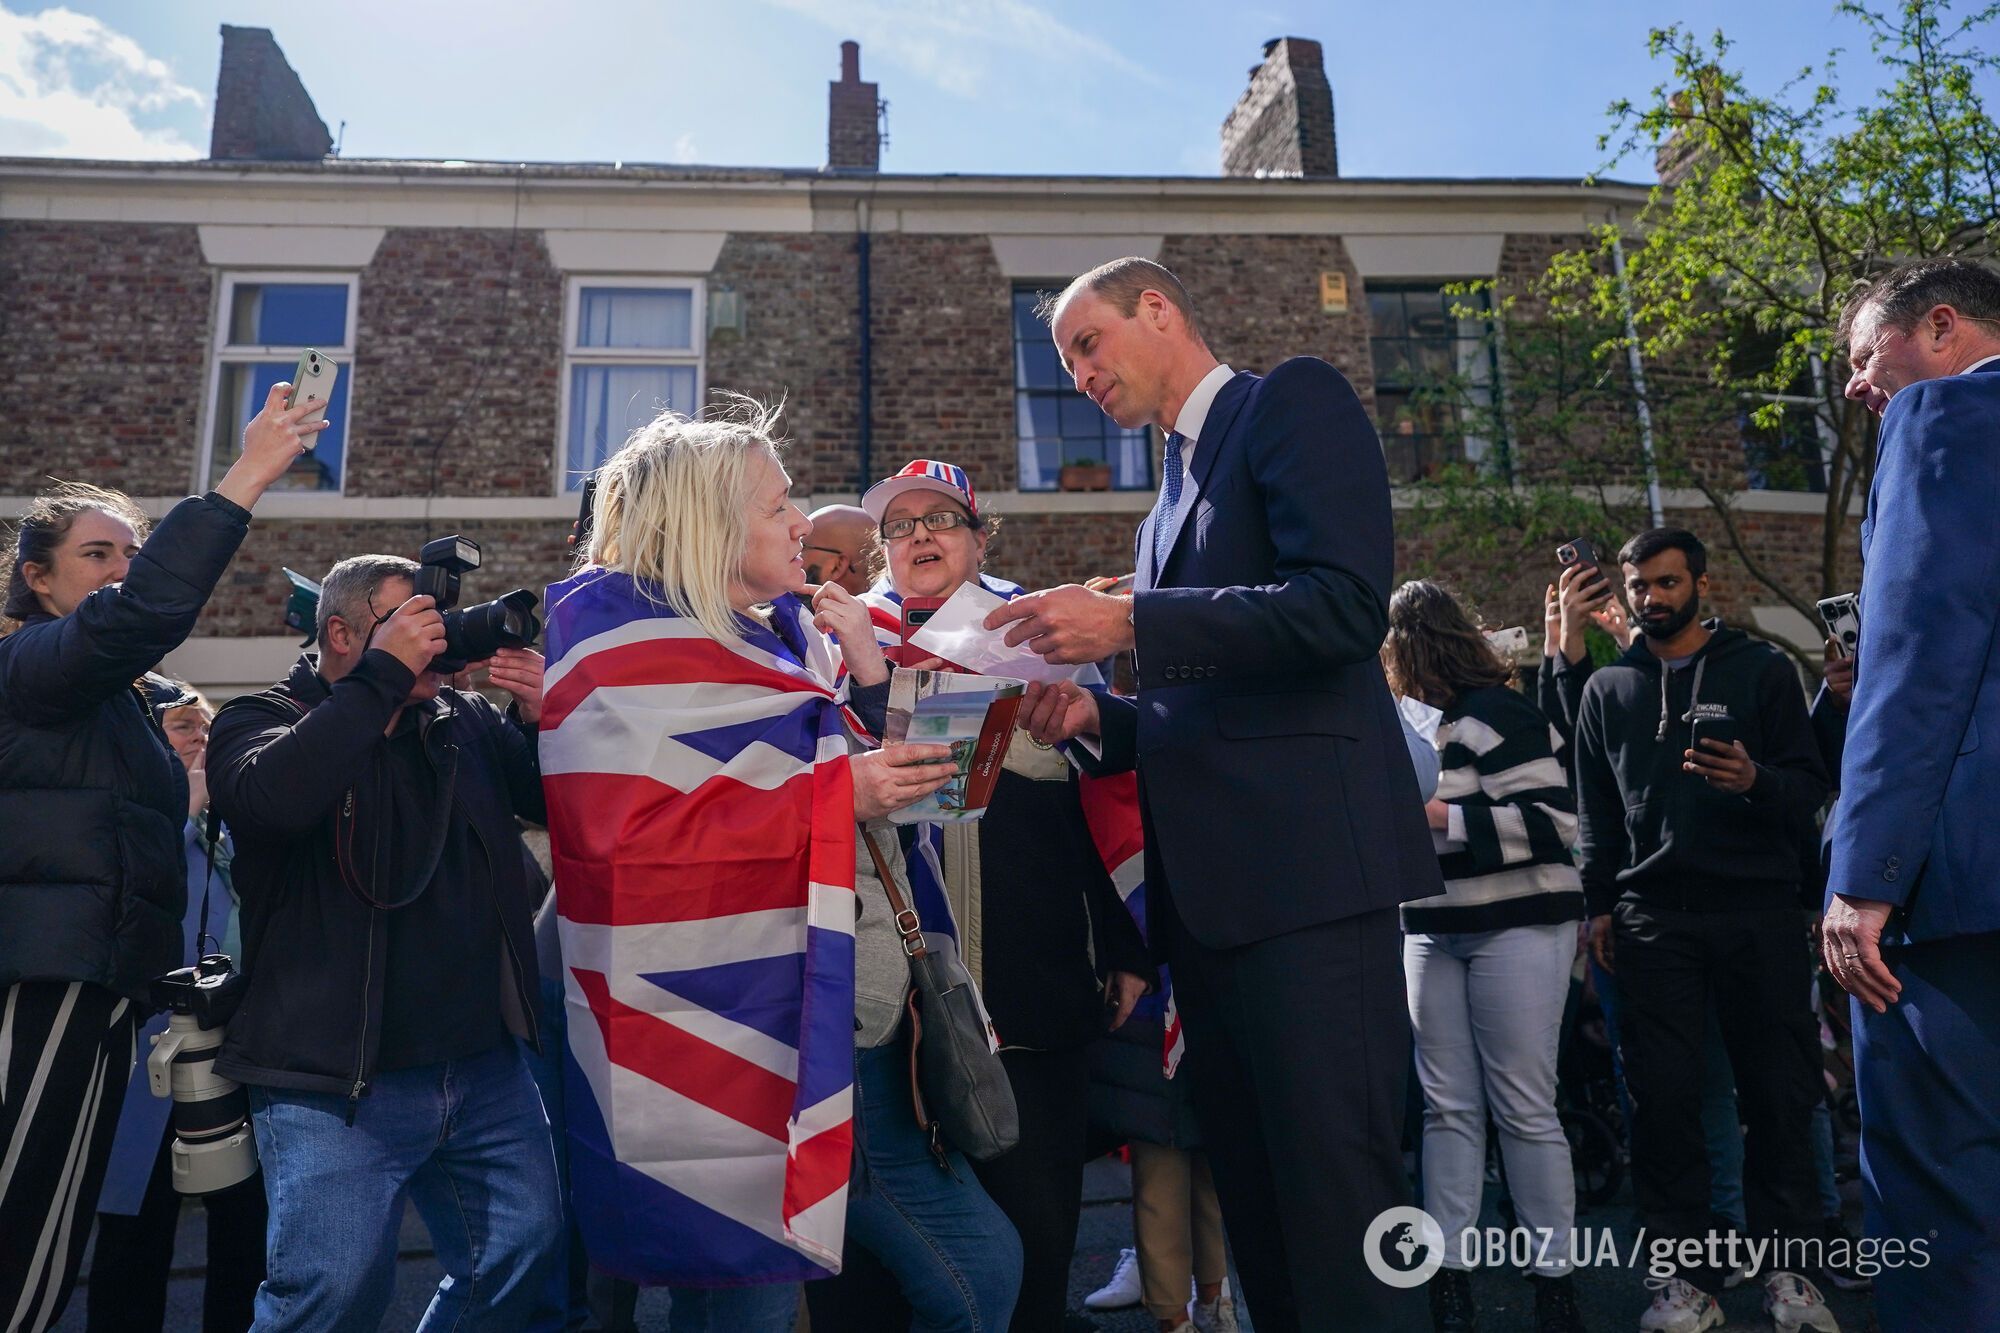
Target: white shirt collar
x,y
1194,412
1967,371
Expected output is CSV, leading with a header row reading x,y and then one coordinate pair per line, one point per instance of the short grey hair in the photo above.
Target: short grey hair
x,y
351,585
1122,282
1906,293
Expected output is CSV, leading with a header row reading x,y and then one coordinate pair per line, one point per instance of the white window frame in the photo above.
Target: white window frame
x,y
573,355
1829,438
223,352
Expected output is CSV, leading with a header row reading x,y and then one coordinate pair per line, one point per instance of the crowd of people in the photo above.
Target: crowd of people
x,y
1272,842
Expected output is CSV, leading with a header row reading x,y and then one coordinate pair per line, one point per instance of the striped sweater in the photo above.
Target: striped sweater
x,y
1513,820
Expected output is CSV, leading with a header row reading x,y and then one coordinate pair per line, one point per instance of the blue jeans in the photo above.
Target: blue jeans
x,y
771,1309
466,1140
954,1253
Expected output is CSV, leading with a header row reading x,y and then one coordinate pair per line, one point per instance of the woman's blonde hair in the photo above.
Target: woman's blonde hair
x,y
672,507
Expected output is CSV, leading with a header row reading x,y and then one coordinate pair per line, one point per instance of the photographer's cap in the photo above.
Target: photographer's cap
x,y
923,474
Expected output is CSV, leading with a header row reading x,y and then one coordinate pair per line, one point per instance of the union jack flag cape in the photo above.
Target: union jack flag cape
x,y
1110,808
701,817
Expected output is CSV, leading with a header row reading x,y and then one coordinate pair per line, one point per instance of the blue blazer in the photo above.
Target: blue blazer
x,y
1277,789
1916,824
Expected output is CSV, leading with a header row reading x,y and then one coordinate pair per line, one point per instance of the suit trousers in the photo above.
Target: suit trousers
x,y
1299,1047
1038,1182
1928,1076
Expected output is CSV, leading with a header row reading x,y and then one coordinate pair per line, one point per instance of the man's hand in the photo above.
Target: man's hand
x,y
1055,713
1611,618
272,441
838,612
1067,625
413,634
1600,941
1725,767
1121,991
1839,674
519,672
1552,622
1850,937
1581,592
888,780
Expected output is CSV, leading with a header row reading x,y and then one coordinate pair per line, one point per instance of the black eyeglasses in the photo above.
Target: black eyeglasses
x,y
944,520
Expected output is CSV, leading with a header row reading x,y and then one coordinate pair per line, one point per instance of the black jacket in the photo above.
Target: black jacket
x,y
1653,832
93,873
303,766
1559,686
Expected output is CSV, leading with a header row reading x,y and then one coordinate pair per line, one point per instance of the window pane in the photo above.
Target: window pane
x,y
1132,461
1385,314
1080,417
288,314
1035,415
241,397
1036,365
652,317
606,403
1392,362
1040,461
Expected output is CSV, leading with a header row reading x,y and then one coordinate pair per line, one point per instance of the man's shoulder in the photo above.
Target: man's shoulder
x,y
1954,397
1301,374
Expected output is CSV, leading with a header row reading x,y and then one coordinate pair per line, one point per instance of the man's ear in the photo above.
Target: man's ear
x,y
339,637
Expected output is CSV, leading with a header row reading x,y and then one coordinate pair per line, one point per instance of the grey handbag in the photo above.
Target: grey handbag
x,y
958,1086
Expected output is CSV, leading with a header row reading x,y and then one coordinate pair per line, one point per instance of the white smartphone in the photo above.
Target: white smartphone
x,y
1511,642
314,379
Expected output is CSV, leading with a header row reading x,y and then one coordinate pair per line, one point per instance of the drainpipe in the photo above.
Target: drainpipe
x,y
866,415
1638,369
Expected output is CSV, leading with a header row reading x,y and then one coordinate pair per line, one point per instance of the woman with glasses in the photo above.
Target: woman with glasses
x,y
1058,958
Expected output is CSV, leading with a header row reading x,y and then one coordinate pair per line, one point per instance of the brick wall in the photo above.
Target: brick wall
x,y
1283,123
944,357
104,337
1258,300
459,360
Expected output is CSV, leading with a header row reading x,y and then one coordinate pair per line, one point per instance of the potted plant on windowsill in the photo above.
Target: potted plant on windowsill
x,y
1084,474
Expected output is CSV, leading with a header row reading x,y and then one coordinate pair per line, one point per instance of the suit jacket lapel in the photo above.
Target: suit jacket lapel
x,y
1222,414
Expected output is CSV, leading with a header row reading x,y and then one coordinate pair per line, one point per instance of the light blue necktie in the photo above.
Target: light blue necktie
x,y
1171,473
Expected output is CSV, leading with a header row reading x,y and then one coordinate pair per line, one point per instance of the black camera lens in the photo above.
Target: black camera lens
x,y
478,632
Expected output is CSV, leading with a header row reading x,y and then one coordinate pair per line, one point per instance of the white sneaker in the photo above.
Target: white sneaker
x,y
1794,1303
1123,1288
1679,1307
1218,1315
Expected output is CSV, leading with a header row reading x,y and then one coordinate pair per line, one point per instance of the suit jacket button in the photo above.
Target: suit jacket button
x,y
1895,861
1211,671
1890,873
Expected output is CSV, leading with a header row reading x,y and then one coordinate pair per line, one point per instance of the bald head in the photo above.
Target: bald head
x,y
837,549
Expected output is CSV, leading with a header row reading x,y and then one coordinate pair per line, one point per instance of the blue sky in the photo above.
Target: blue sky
x,y
1421,87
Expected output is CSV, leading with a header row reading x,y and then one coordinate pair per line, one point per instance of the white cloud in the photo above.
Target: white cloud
x,y
70,86
961,45
684,149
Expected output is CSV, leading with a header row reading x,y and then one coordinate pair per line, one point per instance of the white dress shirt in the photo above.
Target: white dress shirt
x,y
1194,415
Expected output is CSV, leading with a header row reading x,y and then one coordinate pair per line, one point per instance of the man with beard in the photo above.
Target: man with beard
x,y
1697,775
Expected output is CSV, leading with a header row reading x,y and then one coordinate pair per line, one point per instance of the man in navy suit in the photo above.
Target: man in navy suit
x,y
1282,820
1912,926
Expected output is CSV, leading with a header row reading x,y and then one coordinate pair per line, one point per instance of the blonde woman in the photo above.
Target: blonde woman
x,y
735,984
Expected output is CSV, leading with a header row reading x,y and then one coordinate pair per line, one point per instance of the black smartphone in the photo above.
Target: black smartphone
x,y
1577,552
1721,729
579,532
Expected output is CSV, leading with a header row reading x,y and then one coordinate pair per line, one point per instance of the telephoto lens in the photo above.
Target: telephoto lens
x,y
213,1146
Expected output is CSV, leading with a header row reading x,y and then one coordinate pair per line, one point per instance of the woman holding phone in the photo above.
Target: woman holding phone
x,y
92,805
1488,965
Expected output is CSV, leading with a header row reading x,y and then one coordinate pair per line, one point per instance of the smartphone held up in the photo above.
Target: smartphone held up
x,y
312,382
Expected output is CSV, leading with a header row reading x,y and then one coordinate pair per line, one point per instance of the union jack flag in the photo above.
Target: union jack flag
x,y
701,817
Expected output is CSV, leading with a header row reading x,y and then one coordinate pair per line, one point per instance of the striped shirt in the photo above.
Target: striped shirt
x,y
1506,858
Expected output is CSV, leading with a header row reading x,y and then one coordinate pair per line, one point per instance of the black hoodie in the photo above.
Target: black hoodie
x,y
1655,833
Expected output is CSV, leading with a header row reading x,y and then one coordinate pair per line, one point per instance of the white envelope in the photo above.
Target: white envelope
x,y
957,632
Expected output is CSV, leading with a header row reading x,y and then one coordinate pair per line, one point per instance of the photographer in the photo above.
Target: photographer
x,y
389,921
92,803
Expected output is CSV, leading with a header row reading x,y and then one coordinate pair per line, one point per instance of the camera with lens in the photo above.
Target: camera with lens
x,y
476,632
213,1147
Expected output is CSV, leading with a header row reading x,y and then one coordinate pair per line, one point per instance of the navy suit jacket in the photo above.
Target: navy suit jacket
x,y
1277,789
1916,824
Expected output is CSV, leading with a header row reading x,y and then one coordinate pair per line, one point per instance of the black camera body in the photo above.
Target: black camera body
x,y
208,992
476,632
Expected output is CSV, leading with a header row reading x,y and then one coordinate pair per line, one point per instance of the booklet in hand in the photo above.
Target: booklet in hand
x,y
974,715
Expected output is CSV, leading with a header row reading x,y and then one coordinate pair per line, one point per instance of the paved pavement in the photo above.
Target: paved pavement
x,y
1611,1299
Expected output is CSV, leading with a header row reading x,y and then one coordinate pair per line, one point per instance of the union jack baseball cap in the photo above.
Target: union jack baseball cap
x,y
923,474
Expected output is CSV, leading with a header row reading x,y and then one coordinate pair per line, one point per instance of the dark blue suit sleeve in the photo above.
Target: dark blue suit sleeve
x,y
1318,470
1930,599
1117,739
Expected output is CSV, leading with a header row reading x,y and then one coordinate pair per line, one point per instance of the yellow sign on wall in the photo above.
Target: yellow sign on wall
x,y
1333,293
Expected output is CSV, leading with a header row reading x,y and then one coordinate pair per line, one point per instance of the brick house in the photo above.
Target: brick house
x,y
502,325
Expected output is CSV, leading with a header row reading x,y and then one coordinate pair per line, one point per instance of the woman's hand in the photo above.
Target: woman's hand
x,y
198,785
838,612
1611,618
887,780
1052,714
1438,815
1552,622
272,441
518,671
1121,992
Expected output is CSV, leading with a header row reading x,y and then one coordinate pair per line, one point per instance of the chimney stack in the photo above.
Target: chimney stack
x,y
853,117
1282,125
262,111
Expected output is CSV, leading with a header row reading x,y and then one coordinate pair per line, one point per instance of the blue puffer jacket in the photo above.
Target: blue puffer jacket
x,y
93,875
